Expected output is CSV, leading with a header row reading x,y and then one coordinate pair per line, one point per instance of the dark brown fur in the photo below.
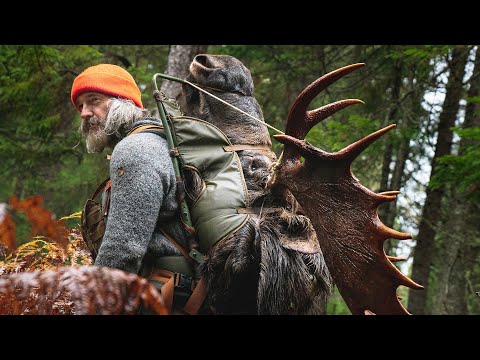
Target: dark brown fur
x,y
273,264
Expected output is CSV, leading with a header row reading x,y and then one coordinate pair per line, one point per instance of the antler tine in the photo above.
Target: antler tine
x,y
391,233
313,117
297,115
351,152
390,193
406,281
401,278
395,258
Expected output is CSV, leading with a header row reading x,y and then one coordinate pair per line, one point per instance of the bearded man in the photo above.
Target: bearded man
x,y
142,209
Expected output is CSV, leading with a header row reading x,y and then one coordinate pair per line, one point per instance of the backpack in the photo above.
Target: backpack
x,y
202,148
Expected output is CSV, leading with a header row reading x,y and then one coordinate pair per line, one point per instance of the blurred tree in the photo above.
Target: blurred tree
x,y
431,211
179,59
456,266
37,130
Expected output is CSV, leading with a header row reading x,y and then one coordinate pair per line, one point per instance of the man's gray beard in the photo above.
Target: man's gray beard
x,y
121,115
97,141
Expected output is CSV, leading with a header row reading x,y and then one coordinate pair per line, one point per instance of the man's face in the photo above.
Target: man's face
x,y
93,107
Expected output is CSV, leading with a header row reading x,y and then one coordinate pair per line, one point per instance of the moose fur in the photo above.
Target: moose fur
x,y
273,264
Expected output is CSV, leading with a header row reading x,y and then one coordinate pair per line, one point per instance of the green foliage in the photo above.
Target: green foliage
x,y
420,53
473,99
473,298
23,228
36,131
335,134
339,134
461,171
336,305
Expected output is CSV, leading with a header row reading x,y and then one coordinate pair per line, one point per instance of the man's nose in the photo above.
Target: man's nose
x,y
86,113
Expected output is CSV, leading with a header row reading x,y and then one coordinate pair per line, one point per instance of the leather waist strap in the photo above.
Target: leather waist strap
x,y
172,280
174,263
162,275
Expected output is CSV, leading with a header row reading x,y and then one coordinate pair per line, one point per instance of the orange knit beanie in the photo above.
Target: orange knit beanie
x,y
108,79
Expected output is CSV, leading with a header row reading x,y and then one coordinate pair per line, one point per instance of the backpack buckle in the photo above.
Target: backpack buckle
x,y
182,281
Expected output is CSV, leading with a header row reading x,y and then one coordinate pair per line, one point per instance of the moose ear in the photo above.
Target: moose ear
x,y
306,246
297,233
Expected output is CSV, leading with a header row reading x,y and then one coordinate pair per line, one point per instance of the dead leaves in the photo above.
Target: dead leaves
x,y
41,220
7,232
83,290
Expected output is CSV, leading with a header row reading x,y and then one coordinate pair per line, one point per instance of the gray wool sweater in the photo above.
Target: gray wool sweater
x,y
142,200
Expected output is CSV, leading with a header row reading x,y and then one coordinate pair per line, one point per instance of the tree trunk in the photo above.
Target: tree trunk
x,y
456,253
472,114
455,257
385,212
395,100
432,208
397,179
468,214
357,53
179,59
458,250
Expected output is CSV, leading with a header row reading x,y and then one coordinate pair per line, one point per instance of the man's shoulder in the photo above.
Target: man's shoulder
x,y
140,141
143,146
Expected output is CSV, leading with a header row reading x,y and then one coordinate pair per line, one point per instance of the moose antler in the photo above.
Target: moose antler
x,y
342,211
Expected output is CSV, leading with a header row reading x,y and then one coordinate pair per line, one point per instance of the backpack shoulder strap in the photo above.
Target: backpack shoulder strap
x,y
100,188
150,128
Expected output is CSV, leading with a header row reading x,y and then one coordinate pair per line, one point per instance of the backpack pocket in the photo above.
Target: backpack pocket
x,y
93,226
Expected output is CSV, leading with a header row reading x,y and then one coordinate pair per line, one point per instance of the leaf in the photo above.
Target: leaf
x,y
7,229
41,219
473,99
7,232
76,215
461,171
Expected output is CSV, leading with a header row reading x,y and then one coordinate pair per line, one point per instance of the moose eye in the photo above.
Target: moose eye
x,y
257,163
